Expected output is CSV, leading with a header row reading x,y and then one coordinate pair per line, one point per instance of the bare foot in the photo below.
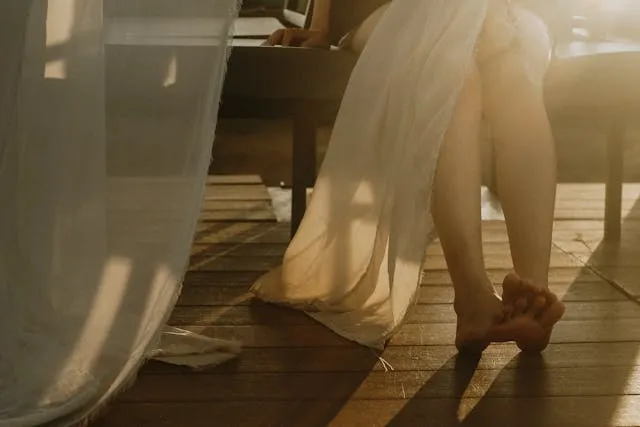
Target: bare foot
x,y
518,295
532,313
478,313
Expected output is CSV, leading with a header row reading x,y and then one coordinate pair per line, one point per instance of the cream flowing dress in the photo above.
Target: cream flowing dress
x,y
355,263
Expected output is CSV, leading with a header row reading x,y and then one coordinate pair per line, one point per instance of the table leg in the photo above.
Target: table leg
x,y
615,177
304,161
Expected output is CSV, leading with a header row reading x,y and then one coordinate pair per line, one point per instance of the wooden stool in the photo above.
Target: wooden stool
x,y
598,82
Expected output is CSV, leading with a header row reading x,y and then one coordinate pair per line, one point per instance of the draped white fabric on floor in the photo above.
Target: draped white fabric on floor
x,y
103,156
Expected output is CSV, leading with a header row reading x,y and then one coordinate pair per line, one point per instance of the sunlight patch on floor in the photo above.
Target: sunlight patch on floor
x,y
281,201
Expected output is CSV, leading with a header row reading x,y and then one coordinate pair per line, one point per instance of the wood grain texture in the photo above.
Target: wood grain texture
x,y
260,313
422,384
208,294
613,411
412,358
314,335
294,372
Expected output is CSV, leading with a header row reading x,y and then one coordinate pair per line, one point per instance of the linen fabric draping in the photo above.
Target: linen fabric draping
x,y
97,213
356,260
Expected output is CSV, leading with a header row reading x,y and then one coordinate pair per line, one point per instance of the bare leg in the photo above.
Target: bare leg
x,y
456,212
525,166
512,101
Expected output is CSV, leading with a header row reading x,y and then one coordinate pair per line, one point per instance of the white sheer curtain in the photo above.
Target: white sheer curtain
x,y
96,213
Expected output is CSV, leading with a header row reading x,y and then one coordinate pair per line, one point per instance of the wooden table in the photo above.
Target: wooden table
x,y
303,85
594,82
599,83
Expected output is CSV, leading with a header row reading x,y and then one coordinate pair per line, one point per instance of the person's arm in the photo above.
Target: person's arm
x,y
316,36
320,20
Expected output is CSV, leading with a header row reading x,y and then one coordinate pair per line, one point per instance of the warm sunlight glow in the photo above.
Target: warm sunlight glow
x,y
60,17
480,384
56,69
163,275
365,195
95,331
617,6
172,73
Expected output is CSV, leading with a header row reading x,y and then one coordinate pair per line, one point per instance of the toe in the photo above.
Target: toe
x,y
537,345
520,307
511,285
552,314
550,297
528,285
537,307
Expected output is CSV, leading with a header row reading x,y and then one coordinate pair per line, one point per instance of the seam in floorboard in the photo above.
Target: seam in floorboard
x,y
619,287
365,399
234,246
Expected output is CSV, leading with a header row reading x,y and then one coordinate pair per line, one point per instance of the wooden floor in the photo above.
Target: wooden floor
x,y
295,373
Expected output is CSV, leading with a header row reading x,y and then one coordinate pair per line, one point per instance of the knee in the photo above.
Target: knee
x,y
521,61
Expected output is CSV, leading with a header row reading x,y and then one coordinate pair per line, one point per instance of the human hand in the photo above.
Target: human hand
x,y
299,37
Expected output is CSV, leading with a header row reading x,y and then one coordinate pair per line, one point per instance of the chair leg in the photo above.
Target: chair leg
x,y
304,161
615,176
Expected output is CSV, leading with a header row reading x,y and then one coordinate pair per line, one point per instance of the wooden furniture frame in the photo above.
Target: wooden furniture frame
x,y
587,86
597,82
590,81
313,96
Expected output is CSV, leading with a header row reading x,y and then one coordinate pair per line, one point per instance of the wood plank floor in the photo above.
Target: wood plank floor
x,y
295,373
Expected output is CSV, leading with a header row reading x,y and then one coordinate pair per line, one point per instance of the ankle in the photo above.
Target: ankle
x,y
472,286
474,296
